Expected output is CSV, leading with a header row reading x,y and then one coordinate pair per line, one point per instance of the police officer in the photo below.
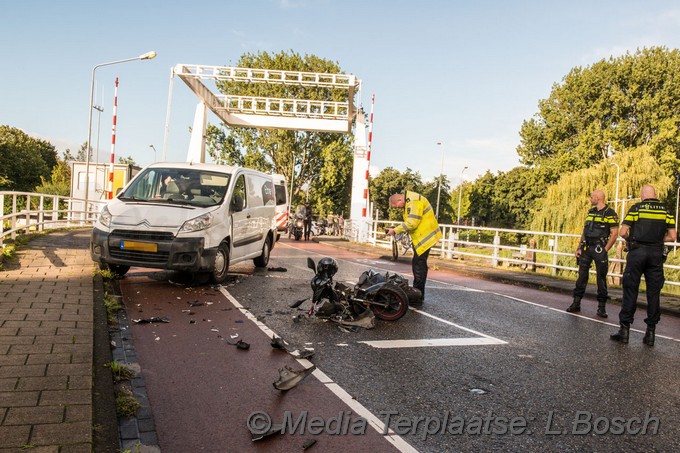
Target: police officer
x,y
421,225
646,227
309,215
599,235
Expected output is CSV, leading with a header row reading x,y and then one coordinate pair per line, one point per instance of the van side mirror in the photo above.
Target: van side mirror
x,y
237,203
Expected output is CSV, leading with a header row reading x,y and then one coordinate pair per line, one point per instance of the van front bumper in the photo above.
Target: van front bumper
x,y
158,250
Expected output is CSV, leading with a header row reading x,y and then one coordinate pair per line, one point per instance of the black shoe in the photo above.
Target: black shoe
x,y
575,306
601,312
622,335
650,334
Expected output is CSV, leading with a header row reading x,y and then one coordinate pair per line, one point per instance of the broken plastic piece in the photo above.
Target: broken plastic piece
x,y
298,303
308,443
275,429
277,269
195,303
242,345
154,319
289,378
278,343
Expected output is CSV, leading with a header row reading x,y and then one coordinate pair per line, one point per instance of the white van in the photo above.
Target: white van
x,y
281,193
188,217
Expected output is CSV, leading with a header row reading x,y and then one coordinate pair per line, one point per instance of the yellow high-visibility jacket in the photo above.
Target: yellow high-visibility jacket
x,y
419,222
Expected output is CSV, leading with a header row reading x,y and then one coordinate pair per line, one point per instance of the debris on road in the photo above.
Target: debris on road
x,y
289,378
298,303
277,269
308,443
152,320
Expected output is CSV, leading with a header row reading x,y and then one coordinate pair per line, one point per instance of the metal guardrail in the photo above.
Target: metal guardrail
x,y
488,247
39,212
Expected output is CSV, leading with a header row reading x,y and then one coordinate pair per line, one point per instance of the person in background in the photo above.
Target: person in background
x,y
421,224
599,235
309,213
647,225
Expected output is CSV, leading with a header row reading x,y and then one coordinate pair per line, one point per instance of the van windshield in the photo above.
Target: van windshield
x,y
178,185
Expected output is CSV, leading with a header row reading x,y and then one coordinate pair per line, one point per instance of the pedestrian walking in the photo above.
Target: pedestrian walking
x,y
647,225
599,235
421,224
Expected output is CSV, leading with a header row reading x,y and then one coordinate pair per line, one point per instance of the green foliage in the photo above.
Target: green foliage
x,y
614,105
120,371
127,160
565,204
321,160
126,403
23,160
60,181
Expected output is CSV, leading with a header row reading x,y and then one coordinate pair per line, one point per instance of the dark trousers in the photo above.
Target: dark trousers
x,y
647,261
419,266
601,266
308,228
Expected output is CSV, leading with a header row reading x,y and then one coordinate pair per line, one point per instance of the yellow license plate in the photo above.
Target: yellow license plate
x,y
139,246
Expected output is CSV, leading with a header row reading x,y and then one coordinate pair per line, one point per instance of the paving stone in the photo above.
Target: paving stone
x,y
30,349
54,397
61,433
34,415
14,436
8,383
16,398
22,370
43,383
13,359
49,358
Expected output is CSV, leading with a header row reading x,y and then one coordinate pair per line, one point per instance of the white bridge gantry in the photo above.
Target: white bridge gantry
x,y
277,113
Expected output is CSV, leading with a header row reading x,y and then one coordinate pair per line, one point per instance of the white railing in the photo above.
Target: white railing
x,y
38,212
486,245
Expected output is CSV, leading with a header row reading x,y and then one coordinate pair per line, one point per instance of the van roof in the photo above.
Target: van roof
x,y
197,165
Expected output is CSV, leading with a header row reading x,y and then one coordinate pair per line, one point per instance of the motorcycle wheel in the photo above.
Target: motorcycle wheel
x,y
298,235
395,250
395,300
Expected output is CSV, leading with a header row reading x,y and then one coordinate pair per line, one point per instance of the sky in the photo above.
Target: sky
x,y
464,74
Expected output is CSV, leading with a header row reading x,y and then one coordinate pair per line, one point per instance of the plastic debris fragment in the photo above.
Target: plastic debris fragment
x,y
289,378
154,319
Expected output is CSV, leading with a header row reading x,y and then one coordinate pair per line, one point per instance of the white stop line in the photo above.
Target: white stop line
x,y
481,339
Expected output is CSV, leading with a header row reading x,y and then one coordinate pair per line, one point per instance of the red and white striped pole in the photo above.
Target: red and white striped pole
x,y
368,154
113,141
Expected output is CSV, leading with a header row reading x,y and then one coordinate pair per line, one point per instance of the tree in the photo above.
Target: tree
x,y
127,160
23,160
318,159
60,181
615,105
81,156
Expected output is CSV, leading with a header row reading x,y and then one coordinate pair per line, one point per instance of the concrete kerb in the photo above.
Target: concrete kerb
x,y
670,304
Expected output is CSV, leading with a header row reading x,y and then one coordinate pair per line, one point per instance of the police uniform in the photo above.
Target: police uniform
x,y
596,232
421,225
648,221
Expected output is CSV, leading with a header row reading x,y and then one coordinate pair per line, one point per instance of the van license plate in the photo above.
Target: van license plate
x,y
139,246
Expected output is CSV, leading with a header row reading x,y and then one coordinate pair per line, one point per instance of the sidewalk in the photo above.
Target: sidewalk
x,y
670,304
46,339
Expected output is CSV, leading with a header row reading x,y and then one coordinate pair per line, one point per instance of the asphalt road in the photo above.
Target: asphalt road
x,y
485,367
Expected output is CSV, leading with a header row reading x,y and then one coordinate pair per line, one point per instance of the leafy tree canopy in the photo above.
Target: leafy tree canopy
x,y
389,182
317,159
614,105
23,160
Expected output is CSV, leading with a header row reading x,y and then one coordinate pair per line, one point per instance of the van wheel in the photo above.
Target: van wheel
x,y
118,269
221,265
263,260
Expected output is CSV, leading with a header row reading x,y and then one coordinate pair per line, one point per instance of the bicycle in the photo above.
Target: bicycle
x,y
402,239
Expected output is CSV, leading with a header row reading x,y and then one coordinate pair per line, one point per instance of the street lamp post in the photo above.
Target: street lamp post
x,y
460,194
99,118
616,200
439,190
144,56
154,152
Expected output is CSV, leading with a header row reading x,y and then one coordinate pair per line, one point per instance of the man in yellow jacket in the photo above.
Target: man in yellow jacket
x,y
421,225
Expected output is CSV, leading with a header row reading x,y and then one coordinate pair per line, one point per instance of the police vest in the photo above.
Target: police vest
x,y
420,223
599,223
648,221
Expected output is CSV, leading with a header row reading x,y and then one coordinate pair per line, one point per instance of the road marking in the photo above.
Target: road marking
x,y
397,441
472,341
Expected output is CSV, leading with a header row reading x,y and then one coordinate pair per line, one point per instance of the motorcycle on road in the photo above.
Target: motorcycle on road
x,y
383,295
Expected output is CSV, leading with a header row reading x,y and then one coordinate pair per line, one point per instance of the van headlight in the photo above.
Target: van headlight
x,y
105,217
196,224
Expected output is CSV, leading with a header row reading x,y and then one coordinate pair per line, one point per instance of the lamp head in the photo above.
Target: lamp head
x,y
147,56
